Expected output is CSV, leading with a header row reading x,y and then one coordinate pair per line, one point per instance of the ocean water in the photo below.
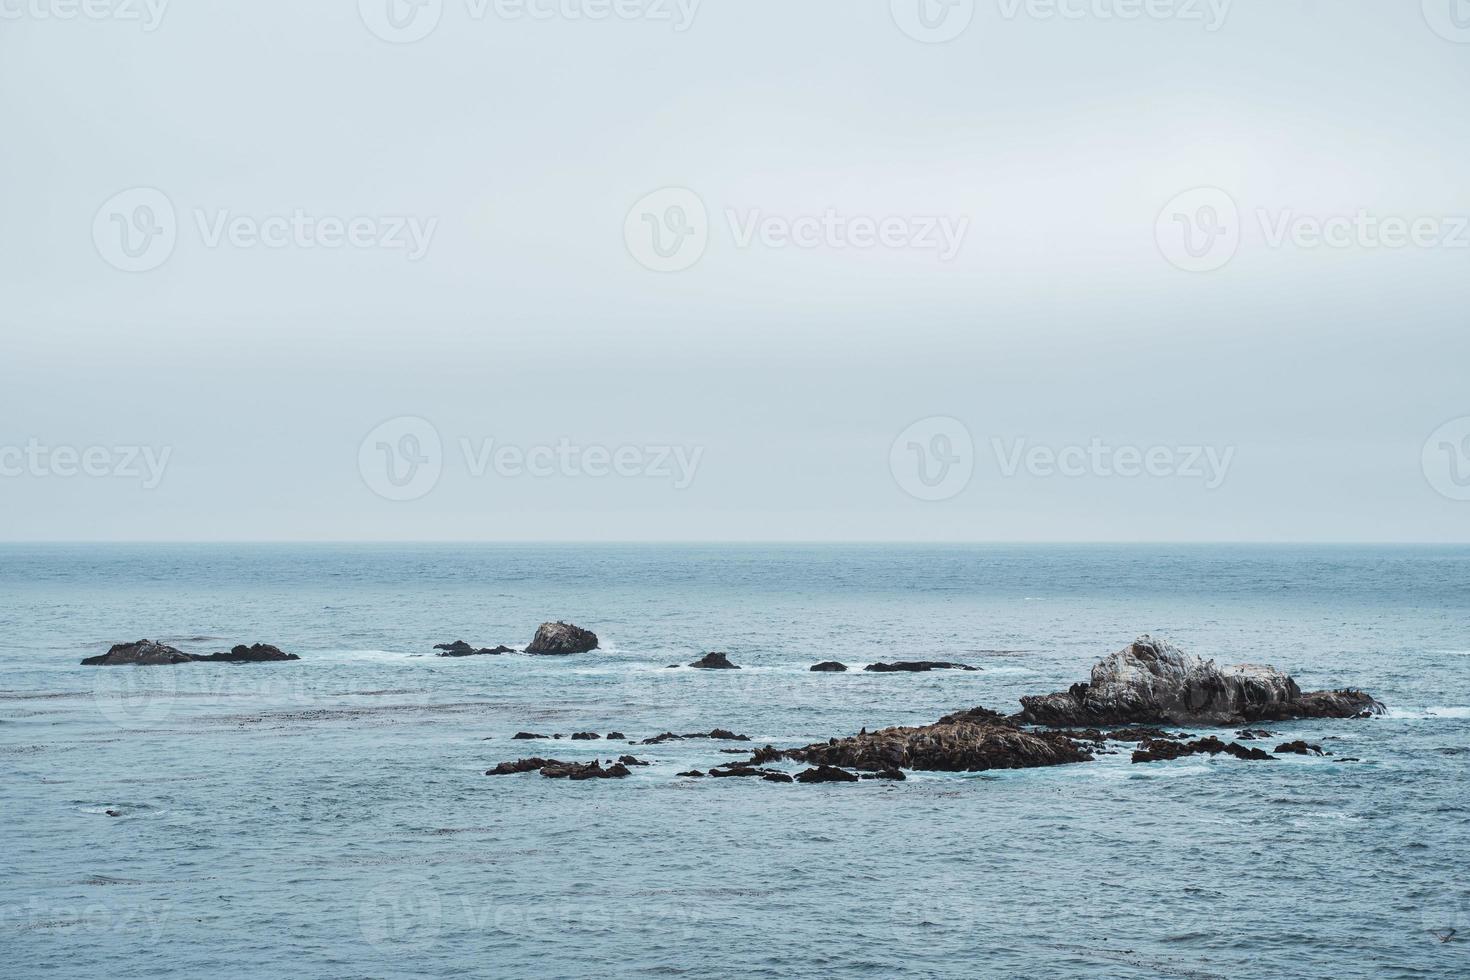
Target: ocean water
x,y
330,817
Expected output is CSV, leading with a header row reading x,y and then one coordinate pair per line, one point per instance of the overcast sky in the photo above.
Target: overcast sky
x,y
738,269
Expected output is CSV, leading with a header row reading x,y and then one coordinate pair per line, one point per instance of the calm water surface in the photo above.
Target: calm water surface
x,y
329,818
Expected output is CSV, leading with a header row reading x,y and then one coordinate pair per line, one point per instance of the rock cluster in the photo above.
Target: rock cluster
x,y
1153,681
947,746
915,667
459,648
148,653
555,769
559,639
1162,750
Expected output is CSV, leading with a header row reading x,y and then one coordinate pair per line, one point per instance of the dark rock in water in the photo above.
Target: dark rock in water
x,y
260,653
775,776
629,760
521,765
714,733
143,653
585,736
948,746
895,774
714,661
584,770
915,667
826,774
528,735
556,639
1153,681
113,813
459,648
616,735
692,774
1161,750
148,653
829,667
1300,748
738,769
1248,734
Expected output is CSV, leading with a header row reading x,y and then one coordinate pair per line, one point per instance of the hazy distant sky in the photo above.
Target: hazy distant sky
x,y
519,145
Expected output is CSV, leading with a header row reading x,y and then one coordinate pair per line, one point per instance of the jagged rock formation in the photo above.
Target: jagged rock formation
x,y
558,639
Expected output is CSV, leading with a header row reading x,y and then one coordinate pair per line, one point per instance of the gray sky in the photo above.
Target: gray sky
x,y
1267,385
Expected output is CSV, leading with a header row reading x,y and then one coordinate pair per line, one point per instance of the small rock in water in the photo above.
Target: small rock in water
x,y
692,773
528,735
616,735
1299,748
916,667
558,639
629,760
714,661
584,736
459,648
828,667
826,774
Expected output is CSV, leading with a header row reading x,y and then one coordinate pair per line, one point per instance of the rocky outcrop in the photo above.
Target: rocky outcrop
x,y
1152,681
259,653
459,648
142,653
556,769
948,746
714,661
915,667
584,770
559,639
828,667
148,653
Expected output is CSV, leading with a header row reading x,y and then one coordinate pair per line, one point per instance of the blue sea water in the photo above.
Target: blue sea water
x,y
330,817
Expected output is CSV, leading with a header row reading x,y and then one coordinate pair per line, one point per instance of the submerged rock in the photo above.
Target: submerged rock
x,y
916,667
1153,681
260,653
718,734
1163,750
557,639
692,774
828,667
459,648
524,736
714,661
629,760
143,653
